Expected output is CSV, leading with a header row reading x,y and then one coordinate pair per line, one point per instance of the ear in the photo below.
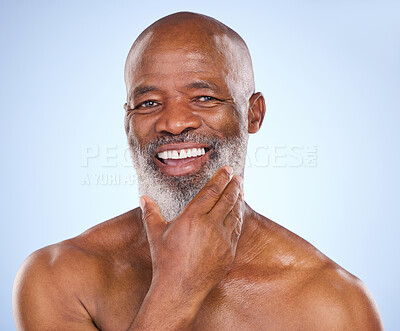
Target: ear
x,y
256,112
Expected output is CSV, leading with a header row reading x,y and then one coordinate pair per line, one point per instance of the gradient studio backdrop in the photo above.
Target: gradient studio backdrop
x,y
325,164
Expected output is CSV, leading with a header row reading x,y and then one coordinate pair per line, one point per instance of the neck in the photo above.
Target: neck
x,y
252,238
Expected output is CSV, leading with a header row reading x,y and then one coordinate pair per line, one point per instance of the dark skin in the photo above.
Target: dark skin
x,y
218,265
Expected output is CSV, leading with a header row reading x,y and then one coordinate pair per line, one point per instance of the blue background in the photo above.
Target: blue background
x,y
329,71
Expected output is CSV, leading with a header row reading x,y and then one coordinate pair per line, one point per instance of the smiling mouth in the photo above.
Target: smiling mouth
x,y
180,160
181,156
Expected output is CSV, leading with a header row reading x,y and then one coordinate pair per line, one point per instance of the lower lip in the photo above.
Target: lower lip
x,y
182,167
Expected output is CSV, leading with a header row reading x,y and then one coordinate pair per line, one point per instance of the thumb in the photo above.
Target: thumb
x,y
153,221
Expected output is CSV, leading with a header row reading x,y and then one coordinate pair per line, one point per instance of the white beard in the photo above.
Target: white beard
x,y
173,193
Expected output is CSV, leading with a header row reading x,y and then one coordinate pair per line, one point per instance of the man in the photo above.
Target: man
x,y
195,255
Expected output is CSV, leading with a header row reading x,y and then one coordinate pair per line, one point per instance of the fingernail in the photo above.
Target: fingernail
x,y
141,203
229,169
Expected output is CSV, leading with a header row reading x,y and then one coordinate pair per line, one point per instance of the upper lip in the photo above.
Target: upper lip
x,y
179,146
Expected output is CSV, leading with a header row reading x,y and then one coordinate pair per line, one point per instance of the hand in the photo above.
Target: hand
x,y
193,252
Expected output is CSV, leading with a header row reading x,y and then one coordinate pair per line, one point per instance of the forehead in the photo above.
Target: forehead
x,y
178,64
168,58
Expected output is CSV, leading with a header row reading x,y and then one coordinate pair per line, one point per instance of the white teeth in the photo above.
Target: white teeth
x,y
181,154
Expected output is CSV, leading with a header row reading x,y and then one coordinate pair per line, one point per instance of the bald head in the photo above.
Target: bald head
x,y
196,34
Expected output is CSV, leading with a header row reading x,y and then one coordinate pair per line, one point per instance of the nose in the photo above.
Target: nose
x,y
177,118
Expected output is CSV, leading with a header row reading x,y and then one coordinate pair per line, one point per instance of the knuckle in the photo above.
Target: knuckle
x,y
213,191
237,216
226,175
222,178
230,198
239,207
238,181
234,220
237,230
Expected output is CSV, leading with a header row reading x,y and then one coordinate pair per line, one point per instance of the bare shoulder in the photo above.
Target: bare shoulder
x,y
56,284
339,299
322,294
48,286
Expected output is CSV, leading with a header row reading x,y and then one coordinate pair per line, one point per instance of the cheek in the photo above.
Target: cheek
x,y
226,122
138,129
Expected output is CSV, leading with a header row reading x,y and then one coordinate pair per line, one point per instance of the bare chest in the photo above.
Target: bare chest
x,y
233,305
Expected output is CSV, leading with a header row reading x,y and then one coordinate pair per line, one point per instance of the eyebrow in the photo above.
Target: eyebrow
x,y
140,90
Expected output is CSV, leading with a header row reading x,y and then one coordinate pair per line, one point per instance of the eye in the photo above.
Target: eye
x,y
205,98
147,104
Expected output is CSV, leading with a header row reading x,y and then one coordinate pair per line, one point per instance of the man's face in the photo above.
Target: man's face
x,y
183,122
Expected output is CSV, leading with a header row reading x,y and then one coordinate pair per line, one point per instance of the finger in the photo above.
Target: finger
x,y
234,220
235,215
236,234
153,221
228,199
208,196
